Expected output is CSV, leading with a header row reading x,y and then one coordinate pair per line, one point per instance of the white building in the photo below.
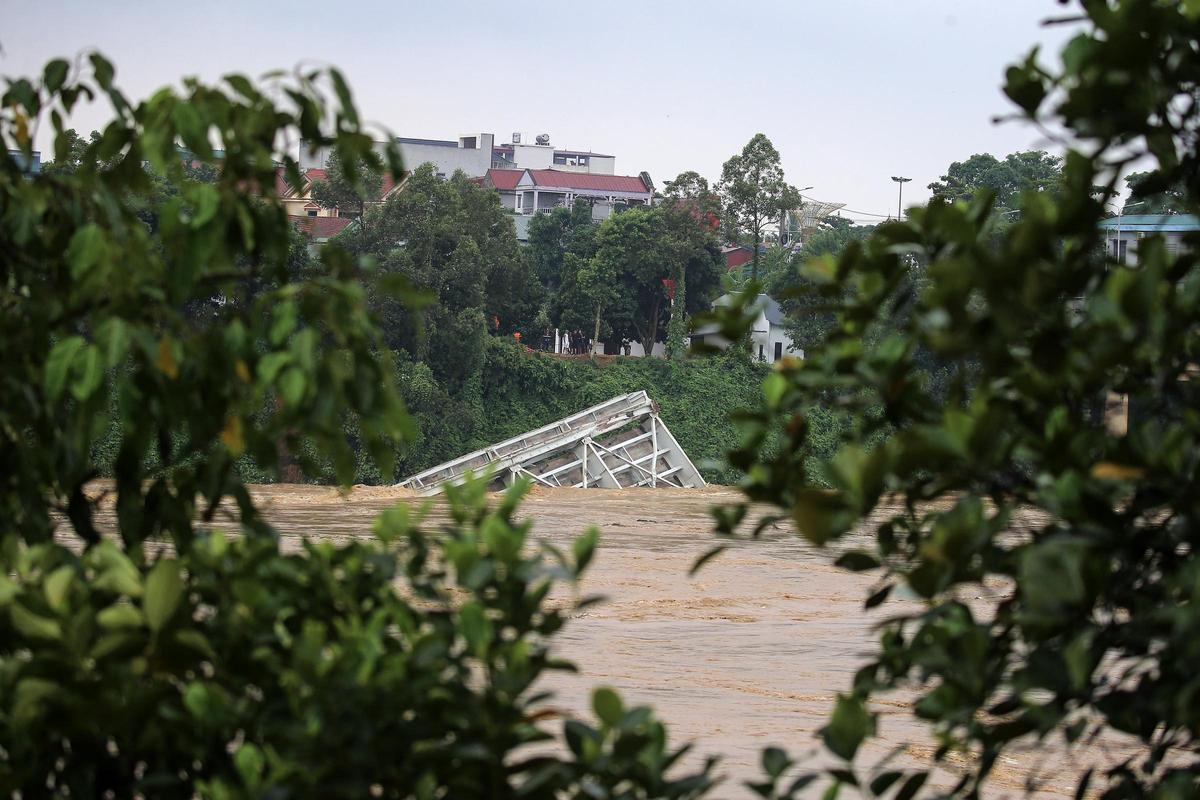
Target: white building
x,y
769,341
475,154
471,154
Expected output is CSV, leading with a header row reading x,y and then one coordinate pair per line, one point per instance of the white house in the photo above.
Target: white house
x,y
769,341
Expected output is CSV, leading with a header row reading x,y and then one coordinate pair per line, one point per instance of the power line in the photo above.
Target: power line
x,y
868,214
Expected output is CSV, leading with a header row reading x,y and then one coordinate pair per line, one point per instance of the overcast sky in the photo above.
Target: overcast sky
x,y
850,91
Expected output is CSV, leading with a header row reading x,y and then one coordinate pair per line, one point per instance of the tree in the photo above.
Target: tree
x,y
1053,556
71,152
629,249
597,281
1027,171
155,655
640,250
349,191
453,240
553,234
808,319
754,193
691,191
1148,195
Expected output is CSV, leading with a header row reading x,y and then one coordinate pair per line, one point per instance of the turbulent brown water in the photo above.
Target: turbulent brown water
x,y
748,653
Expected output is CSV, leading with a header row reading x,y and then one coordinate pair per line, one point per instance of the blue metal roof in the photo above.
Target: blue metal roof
x,y
1153,222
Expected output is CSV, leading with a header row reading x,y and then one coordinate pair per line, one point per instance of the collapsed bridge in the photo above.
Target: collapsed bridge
x,y
617,444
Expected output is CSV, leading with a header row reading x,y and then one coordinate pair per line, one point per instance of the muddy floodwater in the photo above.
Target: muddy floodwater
x,y
748,653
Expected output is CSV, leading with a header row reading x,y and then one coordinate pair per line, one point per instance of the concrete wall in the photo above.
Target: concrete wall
x,y
1172,239
533,156
602,165
446,160
508,200
474,162
762,343
635,349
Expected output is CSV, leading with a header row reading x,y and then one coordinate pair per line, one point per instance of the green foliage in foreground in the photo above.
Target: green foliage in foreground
x,y
1083,625
164,658
235,669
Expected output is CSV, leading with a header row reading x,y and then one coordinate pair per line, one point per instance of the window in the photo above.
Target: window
x,y
778,351
312,212
761,354
1119,248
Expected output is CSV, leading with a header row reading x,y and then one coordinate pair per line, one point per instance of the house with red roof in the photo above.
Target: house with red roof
x,y
528,191
318,223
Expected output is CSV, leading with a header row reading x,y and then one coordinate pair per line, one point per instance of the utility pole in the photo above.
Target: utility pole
x,y
1117,254
900,199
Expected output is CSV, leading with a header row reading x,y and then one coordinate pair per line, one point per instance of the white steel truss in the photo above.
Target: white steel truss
x,y
619,444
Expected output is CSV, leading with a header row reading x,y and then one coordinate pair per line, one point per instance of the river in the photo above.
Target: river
x,y
748,653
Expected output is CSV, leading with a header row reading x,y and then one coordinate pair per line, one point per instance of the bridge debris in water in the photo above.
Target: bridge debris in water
x,y
618,444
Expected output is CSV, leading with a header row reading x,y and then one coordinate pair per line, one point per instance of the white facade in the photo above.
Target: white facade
x,y
769,341
475,154
1124,233
471,154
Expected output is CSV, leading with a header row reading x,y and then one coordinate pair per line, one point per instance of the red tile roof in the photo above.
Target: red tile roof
x,y
320,227
504,179
562,179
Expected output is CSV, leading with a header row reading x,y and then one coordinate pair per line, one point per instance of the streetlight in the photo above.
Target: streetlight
x,y
784,230
1117,254
900,199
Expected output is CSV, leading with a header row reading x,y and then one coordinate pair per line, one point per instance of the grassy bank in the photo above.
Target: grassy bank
x,y
515,391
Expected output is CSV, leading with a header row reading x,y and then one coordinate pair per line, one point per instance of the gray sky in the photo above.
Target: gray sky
x,y
850,91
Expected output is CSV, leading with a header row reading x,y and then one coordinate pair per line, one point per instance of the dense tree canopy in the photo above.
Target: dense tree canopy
x,y
1031,170
349,192
691,191
451,239
1148,194
754,193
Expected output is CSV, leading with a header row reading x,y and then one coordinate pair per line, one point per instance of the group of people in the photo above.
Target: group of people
x,y
571,343
574,343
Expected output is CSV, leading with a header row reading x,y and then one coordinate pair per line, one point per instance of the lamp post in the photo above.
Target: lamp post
x,y
900,199
1117,255
785,232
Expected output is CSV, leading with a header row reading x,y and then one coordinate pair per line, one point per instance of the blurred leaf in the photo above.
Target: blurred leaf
x,y
164,590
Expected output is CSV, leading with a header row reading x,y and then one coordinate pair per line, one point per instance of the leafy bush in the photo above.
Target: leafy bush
x,y
1083,621
166,658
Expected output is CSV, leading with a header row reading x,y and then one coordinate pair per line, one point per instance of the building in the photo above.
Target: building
x,y
1123,233
475,154
317,223
528,191
319,230
769,340
29,166
540,154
